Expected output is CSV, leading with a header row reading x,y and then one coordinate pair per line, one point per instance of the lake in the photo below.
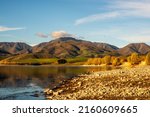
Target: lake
x,y
28,82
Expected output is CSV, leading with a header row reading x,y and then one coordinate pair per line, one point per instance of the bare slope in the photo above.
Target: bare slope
x,y
14,48
140,48
71,47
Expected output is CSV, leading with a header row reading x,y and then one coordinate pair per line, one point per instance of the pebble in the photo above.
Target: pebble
x,y
122,84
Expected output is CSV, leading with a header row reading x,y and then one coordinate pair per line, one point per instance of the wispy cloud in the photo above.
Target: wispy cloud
x,y
41,35
96,17
132,8
3,28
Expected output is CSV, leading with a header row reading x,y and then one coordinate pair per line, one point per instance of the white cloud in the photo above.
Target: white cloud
x,y
58,34
134,5
115,9
3,28
134,8
42,35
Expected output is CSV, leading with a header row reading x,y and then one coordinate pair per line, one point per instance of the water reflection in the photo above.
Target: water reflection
x,y
21,80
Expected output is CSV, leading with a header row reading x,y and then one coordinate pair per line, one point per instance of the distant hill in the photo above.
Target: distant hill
x,y
14,48
71,47
140,48
67,47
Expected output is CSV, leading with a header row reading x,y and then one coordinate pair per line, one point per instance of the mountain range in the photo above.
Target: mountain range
x,y
66,47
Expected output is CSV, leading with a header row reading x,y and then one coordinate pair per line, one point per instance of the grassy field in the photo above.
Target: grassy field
x,y
76,61
37,61
41,61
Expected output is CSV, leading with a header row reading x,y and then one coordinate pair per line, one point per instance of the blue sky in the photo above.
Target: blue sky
x,y
116,22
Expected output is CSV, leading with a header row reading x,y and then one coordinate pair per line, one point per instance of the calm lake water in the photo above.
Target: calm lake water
x,y
28,82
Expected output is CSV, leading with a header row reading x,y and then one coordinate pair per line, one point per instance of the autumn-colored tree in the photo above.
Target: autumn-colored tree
x,y
116,62
142,58
134,58
122,59
89,61
147,60
94,61
129,59
102,61
107,60
99,61
112,59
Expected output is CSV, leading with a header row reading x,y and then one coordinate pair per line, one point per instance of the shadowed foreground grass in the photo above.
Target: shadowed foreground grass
x,y
122,84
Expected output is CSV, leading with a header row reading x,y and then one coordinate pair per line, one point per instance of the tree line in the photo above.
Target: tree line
x,y
133,59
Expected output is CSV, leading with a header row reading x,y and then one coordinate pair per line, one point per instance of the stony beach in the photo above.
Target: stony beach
x,y
119,84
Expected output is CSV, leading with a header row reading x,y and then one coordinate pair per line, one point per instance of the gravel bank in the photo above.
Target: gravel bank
x,y
121,84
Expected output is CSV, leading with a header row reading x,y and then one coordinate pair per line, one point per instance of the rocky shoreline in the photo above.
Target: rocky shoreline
x,y
119,84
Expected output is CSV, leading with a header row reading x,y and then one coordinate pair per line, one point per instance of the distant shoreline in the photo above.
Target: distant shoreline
x,y
64,65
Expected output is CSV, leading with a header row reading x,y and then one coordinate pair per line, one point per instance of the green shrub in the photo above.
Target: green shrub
x,y
62,61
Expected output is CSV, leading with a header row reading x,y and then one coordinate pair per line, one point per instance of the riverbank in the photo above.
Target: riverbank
x,y
23,60
120,84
